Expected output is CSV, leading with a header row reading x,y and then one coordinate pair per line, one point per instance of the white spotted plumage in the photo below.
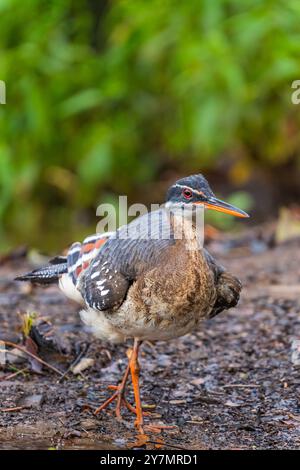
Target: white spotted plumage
x,y
78,258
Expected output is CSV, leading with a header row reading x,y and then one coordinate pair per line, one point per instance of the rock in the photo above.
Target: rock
x,y
295,348
163,360
31,401
15,356
47,339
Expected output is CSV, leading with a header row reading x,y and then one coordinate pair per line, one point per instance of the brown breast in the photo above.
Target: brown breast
x,y
170,299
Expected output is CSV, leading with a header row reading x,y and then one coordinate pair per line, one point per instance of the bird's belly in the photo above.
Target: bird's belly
x,y
118,328
163,324
161,310
158,328
158,307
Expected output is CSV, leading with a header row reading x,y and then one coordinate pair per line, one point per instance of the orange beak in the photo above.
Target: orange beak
x,y
221,206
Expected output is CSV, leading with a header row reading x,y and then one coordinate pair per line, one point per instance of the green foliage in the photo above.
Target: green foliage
x,y
28,320
105,97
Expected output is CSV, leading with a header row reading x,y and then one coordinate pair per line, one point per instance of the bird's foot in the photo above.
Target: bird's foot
x,y
118,395
125,403
145,429
145,433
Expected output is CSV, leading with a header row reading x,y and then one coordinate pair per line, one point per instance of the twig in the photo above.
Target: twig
x,y
13,345
77,359
13,408
14,374
196,422
241,386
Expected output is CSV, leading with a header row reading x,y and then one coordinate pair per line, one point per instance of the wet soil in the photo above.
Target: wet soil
x,y
234,384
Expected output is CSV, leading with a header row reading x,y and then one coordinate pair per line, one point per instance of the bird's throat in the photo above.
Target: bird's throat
x,y
185,231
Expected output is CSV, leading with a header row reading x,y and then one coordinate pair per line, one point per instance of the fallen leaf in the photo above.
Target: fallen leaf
x,y
288,225
82,365
32,348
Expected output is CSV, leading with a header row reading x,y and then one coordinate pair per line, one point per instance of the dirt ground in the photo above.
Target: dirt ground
x,y
232,385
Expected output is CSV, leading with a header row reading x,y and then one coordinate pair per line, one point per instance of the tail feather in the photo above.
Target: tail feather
x,y
58,260
46,274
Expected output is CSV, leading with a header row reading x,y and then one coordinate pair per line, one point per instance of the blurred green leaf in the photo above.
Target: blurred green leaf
x,y
117,96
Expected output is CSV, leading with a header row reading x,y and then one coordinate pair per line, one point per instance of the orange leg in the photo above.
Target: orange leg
x,y
135,372
139,422
119,395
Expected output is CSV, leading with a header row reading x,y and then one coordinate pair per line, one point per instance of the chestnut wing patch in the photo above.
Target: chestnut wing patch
x,y
81,255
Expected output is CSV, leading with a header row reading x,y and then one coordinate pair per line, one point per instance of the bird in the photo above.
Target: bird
x,y
149,280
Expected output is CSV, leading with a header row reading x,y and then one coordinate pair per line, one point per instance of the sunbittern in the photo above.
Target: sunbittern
x,y
155,287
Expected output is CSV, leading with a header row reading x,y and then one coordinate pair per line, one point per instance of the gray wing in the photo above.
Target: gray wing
x,y
134,248
228,286
216,268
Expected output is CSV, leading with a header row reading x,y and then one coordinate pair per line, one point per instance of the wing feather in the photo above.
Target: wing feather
x,y
130,251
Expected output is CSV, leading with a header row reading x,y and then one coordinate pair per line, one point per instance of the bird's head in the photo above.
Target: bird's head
x,y
194,191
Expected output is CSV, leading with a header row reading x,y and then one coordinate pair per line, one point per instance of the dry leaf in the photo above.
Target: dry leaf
x,y
82,365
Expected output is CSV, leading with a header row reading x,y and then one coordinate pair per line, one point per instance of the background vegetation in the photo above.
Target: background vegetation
x,y
113,97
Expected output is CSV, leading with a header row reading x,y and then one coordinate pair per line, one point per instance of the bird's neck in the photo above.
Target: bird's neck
x,y
185,231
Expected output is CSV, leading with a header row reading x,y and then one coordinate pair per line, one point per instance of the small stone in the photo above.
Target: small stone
x,y
199,381
15,356
31,401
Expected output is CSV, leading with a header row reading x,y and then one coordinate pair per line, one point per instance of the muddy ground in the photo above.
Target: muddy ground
x,y
232,385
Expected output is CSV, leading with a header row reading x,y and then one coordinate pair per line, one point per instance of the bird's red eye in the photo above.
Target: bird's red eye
x,y
187,193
